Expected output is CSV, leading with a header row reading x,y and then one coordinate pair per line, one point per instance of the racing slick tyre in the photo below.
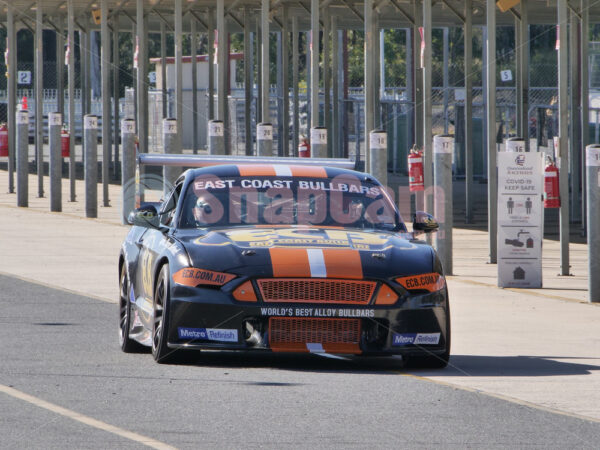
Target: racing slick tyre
x,y
127,345
431,361
160,331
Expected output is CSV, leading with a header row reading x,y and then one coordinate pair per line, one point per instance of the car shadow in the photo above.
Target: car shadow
x,y
459,366
515,366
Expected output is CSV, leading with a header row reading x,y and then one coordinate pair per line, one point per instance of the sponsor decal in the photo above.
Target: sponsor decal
x,y
431,282
208,334
318,312
400,339
194,277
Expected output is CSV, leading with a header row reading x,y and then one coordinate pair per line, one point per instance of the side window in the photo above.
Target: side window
x,y
169,207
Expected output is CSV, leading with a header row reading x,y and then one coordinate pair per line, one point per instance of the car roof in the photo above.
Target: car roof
x,y
277,170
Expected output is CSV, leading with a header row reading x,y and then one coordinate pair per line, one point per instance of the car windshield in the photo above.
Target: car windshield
x,y
344,201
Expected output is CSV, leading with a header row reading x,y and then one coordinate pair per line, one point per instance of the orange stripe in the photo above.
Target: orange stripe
x,y
256,170
289,262
343,263
307,171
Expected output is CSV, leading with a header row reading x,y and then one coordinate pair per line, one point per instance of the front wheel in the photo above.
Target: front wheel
x,y
160,328
431,361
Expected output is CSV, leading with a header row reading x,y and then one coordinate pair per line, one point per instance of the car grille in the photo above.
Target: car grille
x,y
290,334
313,290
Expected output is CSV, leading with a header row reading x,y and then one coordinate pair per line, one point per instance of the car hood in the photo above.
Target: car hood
x,y
307,252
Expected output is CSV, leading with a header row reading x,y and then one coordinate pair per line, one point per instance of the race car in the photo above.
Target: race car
x,y
281,258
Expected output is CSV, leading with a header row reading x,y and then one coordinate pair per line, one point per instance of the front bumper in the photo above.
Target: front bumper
x,y
208,318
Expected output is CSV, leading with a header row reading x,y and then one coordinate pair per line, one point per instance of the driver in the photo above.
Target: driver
x,y
202,211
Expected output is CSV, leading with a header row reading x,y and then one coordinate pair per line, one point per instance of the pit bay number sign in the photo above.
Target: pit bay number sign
x,y
520,219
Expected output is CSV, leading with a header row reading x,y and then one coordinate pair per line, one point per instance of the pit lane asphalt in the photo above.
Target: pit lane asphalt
x,y
62,348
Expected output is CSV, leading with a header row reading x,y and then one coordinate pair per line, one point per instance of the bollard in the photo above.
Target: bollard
x,y
318,142
515,144
90,140
593,220
264,139
127,168
443,147
216,137
170,145
22,138
378,152
54,140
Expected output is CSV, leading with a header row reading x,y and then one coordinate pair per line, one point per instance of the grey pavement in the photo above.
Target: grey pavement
x,y
538,347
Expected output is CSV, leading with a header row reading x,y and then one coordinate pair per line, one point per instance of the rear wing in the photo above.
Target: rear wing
x,y
187,160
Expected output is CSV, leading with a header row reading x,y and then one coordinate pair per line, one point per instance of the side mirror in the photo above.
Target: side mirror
x,y
146,217
424,222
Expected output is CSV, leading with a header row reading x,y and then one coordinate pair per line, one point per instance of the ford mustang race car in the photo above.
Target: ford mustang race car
x,y
281,258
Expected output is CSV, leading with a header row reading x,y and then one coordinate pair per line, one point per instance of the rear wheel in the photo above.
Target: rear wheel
x,y
160,329
127,344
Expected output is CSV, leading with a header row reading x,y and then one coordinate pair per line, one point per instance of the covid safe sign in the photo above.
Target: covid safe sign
x,y
520,219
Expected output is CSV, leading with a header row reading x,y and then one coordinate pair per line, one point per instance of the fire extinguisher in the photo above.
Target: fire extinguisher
x,y
3,140
304,148
551,186
65,143
415,170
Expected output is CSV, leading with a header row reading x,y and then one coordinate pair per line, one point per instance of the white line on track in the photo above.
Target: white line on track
x,y
84,419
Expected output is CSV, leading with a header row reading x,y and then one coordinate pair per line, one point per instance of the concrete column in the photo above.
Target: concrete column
x,y
222,88
193,44
264,139
368,74
427,107
259,86
39,97
142,77
585,95
314,64
71,95
211,66
127,168
443,147
563,126
54,141
327,76
216,137
468,141
264,29
106,106
593,220
285,84
90,138
378,149
318,142
296,93
60,66
115,115
418,76
178,73
575,147
446,77
163,69
516,144
248,88
490,64
172,145
11,87
22,141
336,77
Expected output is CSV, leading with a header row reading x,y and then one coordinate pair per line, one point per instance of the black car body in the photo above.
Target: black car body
x,y
281,258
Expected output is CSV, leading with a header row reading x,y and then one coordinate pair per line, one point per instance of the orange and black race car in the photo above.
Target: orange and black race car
x,y
282,258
